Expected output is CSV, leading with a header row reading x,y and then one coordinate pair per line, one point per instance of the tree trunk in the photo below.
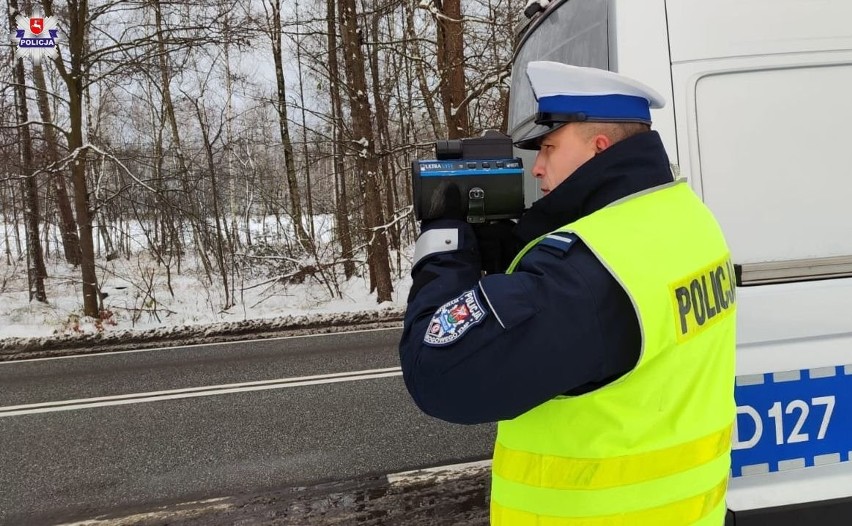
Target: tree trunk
x,y
384,133
451,68
199,227
408,129
7,239
341,211
503,99
307,168
284,126
221,240
367,165
73,79
91,301
234,235
36,271
68,226
422,82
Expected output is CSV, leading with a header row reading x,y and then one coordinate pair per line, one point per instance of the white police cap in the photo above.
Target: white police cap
x,y
568,93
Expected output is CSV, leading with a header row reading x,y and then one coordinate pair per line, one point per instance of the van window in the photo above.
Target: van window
x,y
573,32
776,168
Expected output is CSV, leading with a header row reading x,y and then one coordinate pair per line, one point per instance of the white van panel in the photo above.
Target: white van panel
x,y
790,487
791,312
766,154
701,29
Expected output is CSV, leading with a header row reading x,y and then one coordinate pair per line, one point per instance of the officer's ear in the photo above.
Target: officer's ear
x,y
601,142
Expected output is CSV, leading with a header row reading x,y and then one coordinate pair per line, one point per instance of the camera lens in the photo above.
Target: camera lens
x,y
450,149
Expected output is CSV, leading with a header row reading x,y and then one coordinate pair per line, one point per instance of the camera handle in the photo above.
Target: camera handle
x,y
476,205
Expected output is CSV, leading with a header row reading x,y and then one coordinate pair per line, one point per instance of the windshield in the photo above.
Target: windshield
x,y
573,32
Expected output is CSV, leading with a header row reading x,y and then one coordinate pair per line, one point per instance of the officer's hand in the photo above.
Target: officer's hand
x,y
497,245
445,217
446,203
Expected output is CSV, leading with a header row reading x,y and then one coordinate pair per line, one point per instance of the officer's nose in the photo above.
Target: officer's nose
x,y
538,166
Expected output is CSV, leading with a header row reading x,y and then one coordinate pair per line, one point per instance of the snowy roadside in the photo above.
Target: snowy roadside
x,y
118,340
182,309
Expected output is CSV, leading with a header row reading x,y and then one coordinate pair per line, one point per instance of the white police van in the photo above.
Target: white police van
x,y
759,119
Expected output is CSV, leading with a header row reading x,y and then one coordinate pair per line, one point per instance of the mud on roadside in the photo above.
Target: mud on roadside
x,y
429,499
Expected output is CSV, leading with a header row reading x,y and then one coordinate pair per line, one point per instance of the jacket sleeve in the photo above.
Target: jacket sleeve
x,y
481,349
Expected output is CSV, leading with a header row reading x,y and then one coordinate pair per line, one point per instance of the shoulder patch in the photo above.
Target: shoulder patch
x,y
455,318
560,241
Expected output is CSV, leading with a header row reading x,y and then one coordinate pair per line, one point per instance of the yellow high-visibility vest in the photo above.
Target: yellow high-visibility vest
x,y
653,447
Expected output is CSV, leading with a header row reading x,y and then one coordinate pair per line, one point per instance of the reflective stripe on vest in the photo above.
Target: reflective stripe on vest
x,y
549,471
686,511
653,447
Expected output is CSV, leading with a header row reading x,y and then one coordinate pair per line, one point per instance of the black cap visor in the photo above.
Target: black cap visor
x,y
530,132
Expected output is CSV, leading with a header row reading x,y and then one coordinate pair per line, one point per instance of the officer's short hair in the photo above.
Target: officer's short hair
x,y
616,131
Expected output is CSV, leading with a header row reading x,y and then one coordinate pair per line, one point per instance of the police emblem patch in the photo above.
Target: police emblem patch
x,y
36,37
454,319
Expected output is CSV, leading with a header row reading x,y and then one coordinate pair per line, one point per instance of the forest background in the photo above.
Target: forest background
x,y
247,145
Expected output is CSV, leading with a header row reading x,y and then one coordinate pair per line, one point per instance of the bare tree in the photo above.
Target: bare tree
x,y
68,225
383,142
36,271
451,66
199,230
225,16
419,65
74,76
273,29
302,103
222,246
341,209
366,161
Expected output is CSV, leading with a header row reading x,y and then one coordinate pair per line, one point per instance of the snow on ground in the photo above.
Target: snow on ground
x,y
195,302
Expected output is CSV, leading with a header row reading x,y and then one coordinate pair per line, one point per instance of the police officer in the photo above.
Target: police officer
x,y
596,350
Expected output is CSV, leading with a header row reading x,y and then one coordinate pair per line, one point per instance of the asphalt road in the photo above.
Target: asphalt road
x,y
96,434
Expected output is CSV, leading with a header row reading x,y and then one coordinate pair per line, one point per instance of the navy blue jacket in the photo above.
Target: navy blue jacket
x,y
480,349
